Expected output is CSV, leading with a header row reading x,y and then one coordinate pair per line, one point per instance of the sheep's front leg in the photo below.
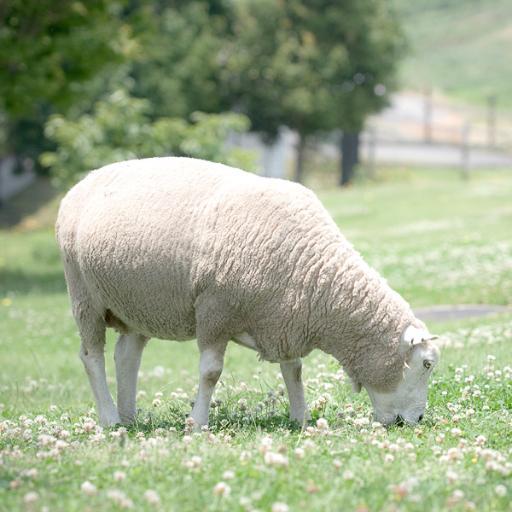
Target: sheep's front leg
x,y
292,375
128,355
211,363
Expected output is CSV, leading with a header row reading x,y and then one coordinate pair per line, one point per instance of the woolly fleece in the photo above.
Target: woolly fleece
x,y
178,248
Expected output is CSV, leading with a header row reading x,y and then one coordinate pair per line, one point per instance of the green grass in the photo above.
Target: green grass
x,y
459,46
437,240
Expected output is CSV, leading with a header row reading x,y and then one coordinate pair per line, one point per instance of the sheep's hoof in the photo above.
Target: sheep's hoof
x,y
192,425
302,422
110,421
127,420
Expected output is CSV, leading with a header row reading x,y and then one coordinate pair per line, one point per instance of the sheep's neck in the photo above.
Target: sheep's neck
x,y
364,320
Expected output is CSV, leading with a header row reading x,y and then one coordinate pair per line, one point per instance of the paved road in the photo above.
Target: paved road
x,y
441,155
459,312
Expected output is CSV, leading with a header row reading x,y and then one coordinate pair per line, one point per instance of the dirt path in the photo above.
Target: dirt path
x,y
459,312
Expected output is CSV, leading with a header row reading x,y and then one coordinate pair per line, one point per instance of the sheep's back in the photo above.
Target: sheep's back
x,y
149,236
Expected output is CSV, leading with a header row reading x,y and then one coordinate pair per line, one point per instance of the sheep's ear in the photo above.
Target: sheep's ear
x,y
414,336
356,386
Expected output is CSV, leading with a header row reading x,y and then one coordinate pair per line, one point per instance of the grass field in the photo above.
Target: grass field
x,y
459,46
437,240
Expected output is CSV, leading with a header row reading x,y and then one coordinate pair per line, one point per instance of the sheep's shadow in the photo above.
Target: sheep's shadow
x,y
222,419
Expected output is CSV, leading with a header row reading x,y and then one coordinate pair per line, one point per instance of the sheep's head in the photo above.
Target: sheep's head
x,y
407,401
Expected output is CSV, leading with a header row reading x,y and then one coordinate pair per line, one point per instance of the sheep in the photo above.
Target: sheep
x,y
180,248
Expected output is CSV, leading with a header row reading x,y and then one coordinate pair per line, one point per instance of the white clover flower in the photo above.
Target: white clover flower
x,y
348,475
119,476
30,497
361,421
245,456
451,476
152,497
120,498
89,425
337,463
299,453
400,490
500,490
480,440
30,473
222,489
194,462
64,434
61,445
265,444
275,459
279,507
45,440
158,372
322,424
458,494
88,488
228,474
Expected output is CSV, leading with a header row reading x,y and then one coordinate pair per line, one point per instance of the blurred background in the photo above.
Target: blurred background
x,y
315,91
399,113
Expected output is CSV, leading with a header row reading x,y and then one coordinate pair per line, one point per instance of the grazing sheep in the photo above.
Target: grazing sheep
x,y
178,248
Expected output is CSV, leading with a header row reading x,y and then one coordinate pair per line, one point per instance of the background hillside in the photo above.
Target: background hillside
x,y
462,47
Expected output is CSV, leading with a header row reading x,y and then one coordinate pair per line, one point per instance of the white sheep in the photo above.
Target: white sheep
x,y
178,248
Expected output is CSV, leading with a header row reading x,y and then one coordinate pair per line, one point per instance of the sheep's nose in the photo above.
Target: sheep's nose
x,y
399,421
421,417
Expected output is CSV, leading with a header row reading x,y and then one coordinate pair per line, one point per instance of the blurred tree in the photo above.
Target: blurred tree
x,y
48,53
368,35
312,65
270,73
120,128
178,66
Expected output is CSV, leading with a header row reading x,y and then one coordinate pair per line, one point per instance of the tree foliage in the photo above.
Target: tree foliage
x,y
49,53
49,50
311,65
120,128
270,69
128,77
180,59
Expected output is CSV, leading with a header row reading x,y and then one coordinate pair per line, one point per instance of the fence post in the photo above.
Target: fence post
x,y
491,121
465,147
427,120
372,151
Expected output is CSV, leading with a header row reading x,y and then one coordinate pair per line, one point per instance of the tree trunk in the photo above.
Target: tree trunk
x,y
349,156
299,163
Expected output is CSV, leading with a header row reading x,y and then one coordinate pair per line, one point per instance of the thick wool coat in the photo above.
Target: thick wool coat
x,y
178,248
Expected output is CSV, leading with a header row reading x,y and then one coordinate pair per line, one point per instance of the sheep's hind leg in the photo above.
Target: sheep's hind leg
x,y
92,334
292,375
128,354
211,363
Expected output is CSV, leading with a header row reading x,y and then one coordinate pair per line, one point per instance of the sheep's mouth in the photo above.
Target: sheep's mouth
x,y
400,421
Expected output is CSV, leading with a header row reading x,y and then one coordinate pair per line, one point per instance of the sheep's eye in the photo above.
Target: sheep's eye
x,y
427,364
